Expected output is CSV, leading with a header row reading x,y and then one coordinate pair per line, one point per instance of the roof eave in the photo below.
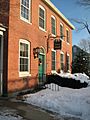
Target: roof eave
x,y
59,13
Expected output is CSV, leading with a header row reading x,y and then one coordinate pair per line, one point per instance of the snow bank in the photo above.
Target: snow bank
x,y
66,101
9,114
77,76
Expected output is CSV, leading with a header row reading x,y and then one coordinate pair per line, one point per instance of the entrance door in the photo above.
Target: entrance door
x,y
41,67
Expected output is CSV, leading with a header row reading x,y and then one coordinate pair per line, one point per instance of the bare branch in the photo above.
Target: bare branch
x,y
85,45
85,3
83,24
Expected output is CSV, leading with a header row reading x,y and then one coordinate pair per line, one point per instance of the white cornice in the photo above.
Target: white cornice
x,y
59,13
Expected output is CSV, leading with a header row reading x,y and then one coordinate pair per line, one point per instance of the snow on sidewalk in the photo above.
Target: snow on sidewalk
x,y
73,102
9,114
66,101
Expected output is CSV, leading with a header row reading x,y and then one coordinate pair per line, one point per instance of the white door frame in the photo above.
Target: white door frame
x,y
1,62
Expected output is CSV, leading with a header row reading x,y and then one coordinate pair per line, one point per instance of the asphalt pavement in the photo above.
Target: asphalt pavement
x,y
17,110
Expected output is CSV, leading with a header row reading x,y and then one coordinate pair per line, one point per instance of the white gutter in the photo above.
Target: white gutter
x,y
59,13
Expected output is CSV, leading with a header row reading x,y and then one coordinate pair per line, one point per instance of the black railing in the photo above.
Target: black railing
x,y
43,78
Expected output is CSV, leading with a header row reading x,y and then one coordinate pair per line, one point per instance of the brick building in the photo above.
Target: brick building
x,y
33,29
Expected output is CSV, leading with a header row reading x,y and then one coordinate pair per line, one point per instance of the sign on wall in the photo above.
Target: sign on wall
x,y
57,44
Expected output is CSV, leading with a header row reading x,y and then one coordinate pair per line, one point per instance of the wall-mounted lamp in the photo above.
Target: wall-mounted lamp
x,y
36,52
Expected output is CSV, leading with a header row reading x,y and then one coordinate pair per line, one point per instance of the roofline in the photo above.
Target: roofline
x,y
59,13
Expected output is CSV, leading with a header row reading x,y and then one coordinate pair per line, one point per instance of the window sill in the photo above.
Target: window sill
x,y
27,21
42,29
68,43
53,35
53,71
62,39
24,74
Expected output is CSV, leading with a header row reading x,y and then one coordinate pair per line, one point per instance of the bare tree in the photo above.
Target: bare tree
x,y
85,3
83,24
85,45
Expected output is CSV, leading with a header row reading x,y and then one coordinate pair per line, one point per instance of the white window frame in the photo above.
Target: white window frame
x,y
26,73
43,29
60,60
55,24
21,17
63,31
51,60
68,42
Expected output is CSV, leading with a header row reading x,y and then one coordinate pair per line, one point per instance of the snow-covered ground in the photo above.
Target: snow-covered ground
x,y
66,101
9,114
77,76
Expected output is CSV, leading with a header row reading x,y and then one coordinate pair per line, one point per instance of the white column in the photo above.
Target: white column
x,y
1,61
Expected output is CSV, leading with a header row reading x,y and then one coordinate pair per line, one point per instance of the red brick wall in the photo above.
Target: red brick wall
x,y
19,29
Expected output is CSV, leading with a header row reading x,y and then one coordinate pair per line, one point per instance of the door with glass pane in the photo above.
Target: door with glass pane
x,y
41,69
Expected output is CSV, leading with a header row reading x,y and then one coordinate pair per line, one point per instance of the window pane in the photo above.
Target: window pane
x,y
41,23
53,60
41,18
62,61
68,63
62,57
25,67
21,61
67,35
61,31
41,13
53,26
21,68
24,57
25,9
62,66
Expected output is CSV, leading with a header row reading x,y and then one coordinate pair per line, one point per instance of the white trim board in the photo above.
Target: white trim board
x,y
59,13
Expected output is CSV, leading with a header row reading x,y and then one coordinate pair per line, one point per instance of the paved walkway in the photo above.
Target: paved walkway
x,y
26,111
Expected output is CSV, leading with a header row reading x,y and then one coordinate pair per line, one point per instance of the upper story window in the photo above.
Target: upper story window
x,y
67,36
24,57
53,60
61,32
62,61
42,17
53,25
25,10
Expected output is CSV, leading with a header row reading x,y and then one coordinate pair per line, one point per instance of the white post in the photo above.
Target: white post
x,y
1,65
2,29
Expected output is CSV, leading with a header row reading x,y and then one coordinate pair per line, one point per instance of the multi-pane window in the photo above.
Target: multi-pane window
x,y
25,9
68,62
24,57
61,31
62,61
67,36
53,25
41,17
53,60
